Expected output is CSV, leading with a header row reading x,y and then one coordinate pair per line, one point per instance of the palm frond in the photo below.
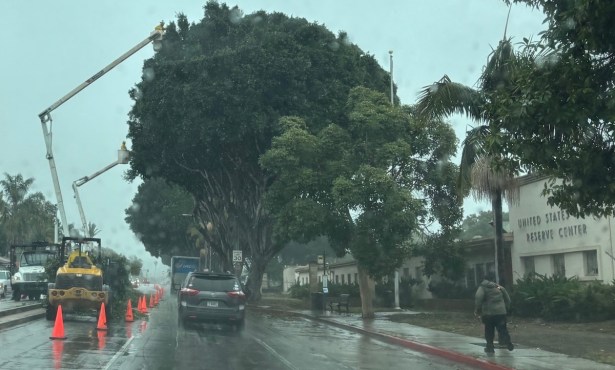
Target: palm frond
x,y
499,67
487,181
473,149
444,98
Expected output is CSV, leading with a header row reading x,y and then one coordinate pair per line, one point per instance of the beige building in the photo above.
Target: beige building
x,y
538,239
549,241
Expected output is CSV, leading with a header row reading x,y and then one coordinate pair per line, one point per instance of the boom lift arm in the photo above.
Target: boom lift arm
x,y
45,116
123,156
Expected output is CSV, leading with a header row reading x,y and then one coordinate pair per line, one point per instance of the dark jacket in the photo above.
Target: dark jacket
x,y
491,299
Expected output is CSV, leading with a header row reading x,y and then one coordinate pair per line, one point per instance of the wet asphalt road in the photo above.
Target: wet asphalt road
x,y
268,342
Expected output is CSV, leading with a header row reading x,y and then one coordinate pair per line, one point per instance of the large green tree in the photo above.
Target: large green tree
x,y
209,104
160,217
25,217
367,182
558,112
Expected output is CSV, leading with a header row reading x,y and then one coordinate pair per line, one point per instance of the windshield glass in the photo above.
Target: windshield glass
x,y
376,159
34,258
213,284
4,274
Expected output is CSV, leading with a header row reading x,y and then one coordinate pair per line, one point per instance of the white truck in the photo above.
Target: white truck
x,y
180,267
27,267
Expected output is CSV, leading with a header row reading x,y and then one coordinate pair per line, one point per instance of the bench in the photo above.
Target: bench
x,y
339,302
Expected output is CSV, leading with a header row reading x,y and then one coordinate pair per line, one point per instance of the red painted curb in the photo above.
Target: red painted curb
x,y
413,345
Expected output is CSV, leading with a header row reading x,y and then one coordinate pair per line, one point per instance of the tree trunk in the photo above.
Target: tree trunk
x,y
496,205
255,278
366,288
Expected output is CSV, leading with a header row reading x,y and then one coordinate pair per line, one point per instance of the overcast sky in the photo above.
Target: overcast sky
x,y
50,47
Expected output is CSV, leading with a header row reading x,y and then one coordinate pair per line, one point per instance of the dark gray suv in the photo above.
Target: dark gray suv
x,y
211,297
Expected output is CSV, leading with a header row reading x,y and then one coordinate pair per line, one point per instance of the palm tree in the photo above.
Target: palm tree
x,y
25,217
93,230
477,171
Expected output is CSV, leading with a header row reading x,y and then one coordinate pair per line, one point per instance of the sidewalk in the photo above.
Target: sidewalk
x,y
15,313
455,347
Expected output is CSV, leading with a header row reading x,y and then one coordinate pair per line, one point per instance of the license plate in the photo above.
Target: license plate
x,y
212,303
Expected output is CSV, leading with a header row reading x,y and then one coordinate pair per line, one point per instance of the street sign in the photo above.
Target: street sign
x,y
237,256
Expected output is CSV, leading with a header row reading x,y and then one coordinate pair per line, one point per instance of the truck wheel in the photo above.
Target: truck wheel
x,y
50,312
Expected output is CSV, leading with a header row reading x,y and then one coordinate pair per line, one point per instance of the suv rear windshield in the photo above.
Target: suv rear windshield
x,y
214,283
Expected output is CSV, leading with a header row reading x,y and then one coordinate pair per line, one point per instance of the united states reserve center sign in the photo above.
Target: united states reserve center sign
x,y
550,226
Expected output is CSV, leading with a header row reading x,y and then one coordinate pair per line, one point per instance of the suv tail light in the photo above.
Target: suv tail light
x,y
236,294
188,291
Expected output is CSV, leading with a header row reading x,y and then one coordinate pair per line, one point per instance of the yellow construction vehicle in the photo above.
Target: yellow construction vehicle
x,y
79,285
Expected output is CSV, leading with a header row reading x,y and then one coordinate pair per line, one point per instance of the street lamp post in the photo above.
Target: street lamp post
x,y
396,283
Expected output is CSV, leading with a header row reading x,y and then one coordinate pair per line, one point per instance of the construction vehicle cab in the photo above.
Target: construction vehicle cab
x,y
79,285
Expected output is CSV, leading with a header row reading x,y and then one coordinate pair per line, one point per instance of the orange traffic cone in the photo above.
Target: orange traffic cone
x,y
151,301
58,327
140,305
156,299
102,318
144,305
129,317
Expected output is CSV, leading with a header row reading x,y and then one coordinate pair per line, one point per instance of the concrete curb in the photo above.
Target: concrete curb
x,y
403,342
7,321
24,308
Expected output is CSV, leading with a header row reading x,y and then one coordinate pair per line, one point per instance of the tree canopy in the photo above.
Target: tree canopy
x,y
479,224
209,104
157,218
24,216
557,114
357,182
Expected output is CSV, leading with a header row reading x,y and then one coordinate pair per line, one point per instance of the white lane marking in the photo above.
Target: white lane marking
x,y
118,353
275,354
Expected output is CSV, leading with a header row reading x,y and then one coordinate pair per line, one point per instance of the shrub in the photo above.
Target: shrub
x,y
562,298
385,292
299,291
445,288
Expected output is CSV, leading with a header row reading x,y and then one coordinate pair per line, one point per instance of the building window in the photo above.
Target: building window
x,y
590,259
418,273
319,278
559,264
406,272
356,278
349,281
337,279
343,279
528,266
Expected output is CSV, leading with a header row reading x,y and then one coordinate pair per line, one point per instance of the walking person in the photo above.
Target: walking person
x,y
491,303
